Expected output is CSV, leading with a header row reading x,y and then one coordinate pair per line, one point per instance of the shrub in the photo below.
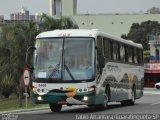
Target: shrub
x,y
6,86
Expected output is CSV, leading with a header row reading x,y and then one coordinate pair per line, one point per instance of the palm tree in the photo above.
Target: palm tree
x,y
16,39
50,23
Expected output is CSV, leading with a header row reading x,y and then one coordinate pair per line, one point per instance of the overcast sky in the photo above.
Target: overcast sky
x,y
84,6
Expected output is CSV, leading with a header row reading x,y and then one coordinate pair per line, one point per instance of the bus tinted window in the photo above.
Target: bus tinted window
x,y
115,51
106,50
99,42
126,53
122,53
141,56
129,49
135,56
110,49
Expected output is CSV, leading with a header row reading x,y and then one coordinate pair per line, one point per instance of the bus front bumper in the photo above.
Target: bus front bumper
x,y
87,98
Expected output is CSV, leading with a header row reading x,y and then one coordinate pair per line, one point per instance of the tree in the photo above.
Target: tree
x,y
154,10
50,23
14,41
146,56
6,86
139,33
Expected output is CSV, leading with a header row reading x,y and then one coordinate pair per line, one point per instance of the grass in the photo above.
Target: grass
x,y
13,104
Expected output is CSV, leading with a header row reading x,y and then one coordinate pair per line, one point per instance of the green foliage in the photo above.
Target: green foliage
x,y
50,23
146,53
146,56
14,41
6,86
139,33
16,38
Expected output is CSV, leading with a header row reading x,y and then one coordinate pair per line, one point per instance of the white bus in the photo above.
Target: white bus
x,y
86,67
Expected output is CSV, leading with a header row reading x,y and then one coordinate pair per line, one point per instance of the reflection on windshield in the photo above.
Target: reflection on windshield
x,y
72,61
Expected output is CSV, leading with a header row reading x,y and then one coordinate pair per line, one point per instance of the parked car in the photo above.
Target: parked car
x,y
157,85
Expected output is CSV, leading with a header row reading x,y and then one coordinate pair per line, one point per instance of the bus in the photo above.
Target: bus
x,y
86,67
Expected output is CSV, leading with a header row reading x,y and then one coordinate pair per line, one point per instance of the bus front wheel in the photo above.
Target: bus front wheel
x,y
133,96
55,107
104,105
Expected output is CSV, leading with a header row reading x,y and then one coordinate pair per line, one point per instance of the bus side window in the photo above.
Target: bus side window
x,y
106,50
130,54
140,56
99,43
126,53
115,51
110,49
122,53
135,56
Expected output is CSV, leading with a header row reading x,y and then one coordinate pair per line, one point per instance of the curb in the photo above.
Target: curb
x,y
154,93
25,110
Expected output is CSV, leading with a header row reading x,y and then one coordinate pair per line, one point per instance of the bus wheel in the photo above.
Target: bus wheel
x,y
104,105
132,100
133,96
55,107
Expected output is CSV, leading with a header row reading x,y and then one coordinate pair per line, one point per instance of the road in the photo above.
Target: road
x,y
149,104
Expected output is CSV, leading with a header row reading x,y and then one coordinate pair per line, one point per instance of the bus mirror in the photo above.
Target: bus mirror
x,y
29,57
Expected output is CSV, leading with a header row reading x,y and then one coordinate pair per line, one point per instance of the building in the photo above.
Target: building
x,y
152,69
22,15
1,19
55,8
115,24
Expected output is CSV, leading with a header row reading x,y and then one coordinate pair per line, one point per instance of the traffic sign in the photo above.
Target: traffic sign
x,y
26,76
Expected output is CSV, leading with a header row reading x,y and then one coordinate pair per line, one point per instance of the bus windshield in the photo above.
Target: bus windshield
x,y
64,59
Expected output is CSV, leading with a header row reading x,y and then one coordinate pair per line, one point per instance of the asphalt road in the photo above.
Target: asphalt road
x,y
148,107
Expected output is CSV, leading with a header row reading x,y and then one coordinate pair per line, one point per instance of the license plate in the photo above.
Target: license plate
x,y
62,102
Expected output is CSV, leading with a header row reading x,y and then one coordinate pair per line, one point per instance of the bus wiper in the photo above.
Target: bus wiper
x,y
54,71
69,72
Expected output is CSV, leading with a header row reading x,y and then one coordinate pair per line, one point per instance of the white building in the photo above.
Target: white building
x,y
115,24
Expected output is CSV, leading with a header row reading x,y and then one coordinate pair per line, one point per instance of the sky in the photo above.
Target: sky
x,y
84,6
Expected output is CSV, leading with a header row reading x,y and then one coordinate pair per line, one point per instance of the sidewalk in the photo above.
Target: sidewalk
x,y
151,91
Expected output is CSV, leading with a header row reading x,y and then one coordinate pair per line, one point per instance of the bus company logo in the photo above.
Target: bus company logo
x,y
70,91
42,85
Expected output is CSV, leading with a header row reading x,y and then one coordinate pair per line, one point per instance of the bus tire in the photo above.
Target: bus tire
x,y
55,107
133,97
104,105
132,100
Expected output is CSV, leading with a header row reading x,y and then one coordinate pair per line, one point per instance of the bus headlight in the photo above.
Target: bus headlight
x,y
85,98
39,98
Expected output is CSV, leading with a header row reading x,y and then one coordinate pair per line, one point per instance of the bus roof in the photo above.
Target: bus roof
x,y
84,33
